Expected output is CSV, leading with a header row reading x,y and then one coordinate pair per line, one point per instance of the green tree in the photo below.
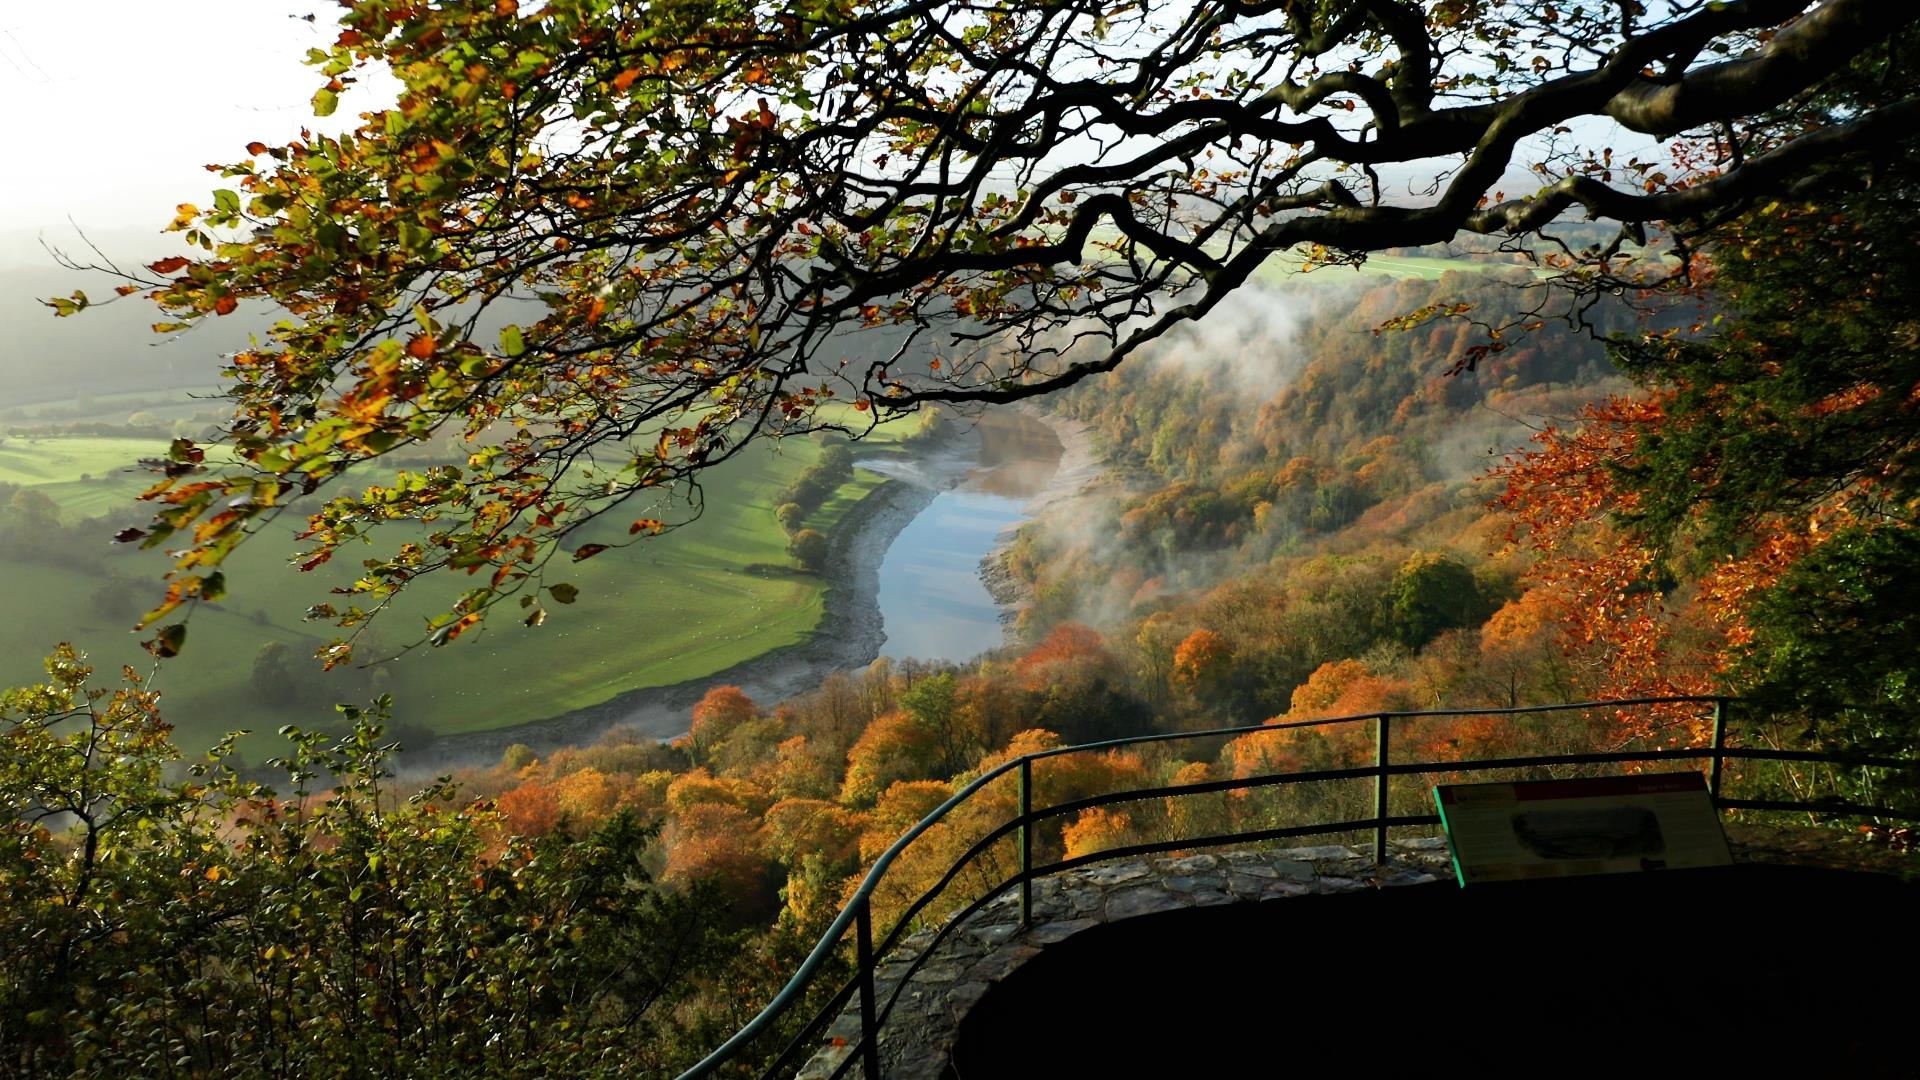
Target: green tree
x,y
761,216
202,925
1430,593
273,679
934,704
790,515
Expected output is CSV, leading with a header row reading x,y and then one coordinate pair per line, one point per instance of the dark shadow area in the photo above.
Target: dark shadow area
x,y
1752,970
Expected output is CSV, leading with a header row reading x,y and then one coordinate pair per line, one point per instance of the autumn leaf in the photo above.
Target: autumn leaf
x,y
225,305
625,79
587,551
168,642
168,265
446,634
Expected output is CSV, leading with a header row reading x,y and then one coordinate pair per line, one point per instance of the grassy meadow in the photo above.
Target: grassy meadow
x,y
701,598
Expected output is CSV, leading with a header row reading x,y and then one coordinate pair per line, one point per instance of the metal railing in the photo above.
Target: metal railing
x,y
857,914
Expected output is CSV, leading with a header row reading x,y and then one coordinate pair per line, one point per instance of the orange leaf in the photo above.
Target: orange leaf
x,y
256,148
625,79
225,305
421,346
167,265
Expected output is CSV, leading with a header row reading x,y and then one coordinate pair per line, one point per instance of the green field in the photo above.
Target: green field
x,y
51,460
654,613
1284,269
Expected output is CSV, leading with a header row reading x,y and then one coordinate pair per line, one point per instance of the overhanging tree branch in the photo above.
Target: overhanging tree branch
x,y
705,225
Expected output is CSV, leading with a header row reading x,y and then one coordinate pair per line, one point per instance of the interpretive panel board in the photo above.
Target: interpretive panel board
x,y
1596,825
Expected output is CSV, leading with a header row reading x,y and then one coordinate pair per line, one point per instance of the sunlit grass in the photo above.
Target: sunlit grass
x,y
699,599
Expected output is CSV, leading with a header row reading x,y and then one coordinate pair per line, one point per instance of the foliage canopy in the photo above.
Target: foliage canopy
x,y
203,925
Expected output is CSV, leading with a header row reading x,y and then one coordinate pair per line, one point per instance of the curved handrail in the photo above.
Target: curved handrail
x,y
858,905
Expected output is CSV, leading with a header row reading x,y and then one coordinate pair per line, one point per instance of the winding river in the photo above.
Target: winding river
x,y
907,583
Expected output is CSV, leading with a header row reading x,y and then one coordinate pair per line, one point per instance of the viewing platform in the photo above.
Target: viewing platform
x,y
1220,946
1189,966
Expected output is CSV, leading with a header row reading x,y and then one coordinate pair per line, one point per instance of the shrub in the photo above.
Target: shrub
x,y
809,548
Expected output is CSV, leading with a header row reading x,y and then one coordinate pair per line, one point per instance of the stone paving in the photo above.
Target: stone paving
x,y
917,1039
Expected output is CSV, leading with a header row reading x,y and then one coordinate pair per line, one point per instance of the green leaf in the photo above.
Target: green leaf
x,y
324,102
64,306
564,593
511,342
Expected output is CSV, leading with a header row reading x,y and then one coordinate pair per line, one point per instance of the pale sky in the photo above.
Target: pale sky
x,y
108,108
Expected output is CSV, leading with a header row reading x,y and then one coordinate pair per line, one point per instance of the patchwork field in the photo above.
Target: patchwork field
x,y
658,612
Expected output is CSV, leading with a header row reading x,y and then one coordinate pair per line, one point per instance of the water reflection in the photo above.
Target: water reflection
x,y
931,598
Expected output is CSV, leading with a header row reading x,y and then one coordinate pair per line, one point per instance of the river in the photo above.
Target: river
x,y
933,605
906,574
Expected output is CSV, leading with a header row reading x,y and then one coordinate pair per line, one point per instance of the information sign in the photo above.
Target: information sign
x,y
1596,825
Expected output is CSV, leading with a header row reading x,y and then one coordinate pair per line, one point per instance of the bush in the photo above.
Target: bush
x,y
790,515
273,679
836,463
252,935
809,548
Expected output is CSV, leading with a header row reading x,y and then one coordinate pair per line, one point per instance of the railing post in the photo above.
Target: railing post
x,y
1380,734
1719,744
1026,842
869,1027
